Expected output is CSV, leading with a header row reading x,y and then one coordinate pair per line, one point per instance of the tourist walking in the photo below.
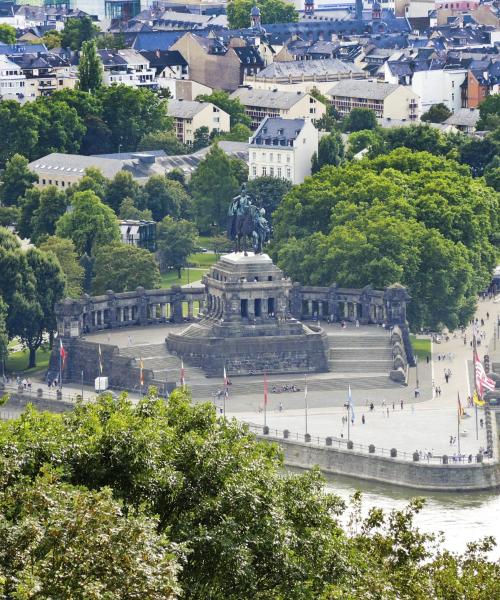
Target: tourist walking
x,y
363,419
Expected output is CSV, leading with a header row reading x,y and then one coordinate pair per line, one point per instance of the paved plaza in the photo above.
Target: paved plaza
x,y
425,423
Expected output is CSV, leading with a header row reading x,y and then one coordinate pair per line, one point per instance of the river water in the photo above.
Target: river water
x,y
462,517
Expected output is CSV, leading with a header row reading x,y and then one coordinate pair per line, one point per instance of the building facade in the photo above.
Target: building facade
x,y
190,115
283,148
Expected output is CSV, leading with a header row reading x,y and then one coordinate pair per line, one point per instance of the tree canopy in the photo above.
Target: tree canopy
x,y
124,267
189,504
330,151
90,224
7,34
405,217
232,106
360,118
175,240
78,31
272,11
437,113
89,68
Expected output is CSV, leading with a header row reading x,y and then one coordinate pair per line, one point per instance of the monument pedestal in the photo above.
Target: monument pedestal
x,y
247,325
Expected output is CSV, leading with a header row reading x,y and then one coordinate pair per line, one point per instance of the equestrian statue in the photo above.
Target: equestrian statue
x,y
247,220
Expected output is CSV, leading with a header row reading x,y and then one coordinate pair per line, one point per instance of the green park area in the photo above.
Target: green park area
x,y
18,361
421,346
199,263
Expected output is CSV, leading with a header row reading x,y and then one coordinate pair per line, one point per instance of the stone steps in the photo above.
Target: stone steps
x,y
201,390
360,353
358,341
145,351
363,366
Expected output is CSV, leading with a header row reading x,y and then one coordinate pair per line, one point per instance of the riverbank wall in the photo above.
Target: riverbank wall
x,y
420,475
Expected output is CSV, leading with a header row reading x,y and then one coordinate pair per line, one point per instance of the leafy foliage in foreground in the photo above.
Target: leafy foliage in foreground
x,y
240,527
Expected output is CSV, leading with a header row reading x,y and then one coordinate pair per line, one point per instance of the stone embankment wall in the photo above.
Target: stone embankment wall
x,y
417,475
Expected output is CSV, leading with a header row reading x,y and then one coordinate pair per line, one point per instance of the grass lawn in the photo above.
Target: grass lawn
x,y
202,259
421,346
169,279
18,361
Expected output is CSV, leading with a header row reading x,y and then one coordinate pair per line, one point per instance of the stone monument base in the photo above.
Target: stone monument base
x,y
291,347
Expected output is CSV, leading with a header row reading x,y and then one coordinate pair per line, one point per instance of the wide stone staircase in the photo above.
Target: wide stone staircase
x,y
351,353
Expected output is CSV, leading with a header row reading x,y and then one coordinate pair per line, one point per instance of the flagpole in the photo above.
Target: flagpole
x,y
60,364
474,352
305,401
82,385
265,399
458,422
349,416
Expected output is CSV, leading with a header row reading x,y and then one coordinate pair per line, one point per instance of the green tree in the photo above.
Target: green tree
x,y
64,251
371,139
477,153
239,169
492,174
437,113
32,309
4,334
359,119
131,113
93,180
421,138
163,140
330,151
489,113
90,224
212,186
115,41
406,217
175,241
238,133
51,207
268,192
78,31
105,554
329,121
166,197
201,138
90,68
123,185
18,131
232,106
128,210
177,175
272,11
7,34
52,39
124,267
16,180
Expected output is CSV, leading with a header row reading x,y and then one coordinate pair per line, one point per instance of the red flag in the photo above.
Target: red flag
x,y
483,382
141,364
265,388
62,353
461,411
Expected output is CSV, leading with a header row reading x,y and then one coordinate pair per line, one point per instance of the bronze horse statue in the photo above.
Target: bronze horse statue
x,y
246,220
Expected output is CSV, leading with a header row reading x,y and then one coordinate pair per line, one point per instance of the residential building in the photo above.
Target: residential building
x,y
139,233
211,63
169,67
295,71
127,67
288,105
45,73
464,119
386,100
283,148
12,80
190,115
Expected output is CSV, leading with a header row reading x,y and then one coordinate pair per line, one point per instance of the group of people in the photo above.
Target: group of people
x,y
284,388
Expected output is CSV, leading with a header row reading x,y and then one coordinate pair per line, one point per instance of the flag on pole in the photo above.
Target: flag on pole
x,y
100,360
305,387
351,406
62,353
226,384
483,382
461,410
183,379
477,400
141,377
265,389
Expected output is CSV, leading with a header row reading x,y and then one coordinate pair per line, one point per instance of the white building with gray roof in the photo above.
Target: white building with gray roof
x,y
283,148
389,101
260,104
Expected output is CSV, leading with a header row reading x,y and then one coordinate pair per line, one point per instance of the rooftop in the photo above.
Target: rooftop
x,y
464,117
372,90
267,98
185,109
318,68
275,131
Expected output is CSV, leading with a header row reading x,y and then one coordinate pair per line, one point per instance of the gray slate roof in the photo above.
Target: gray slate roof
x,y
74,164
464,117
185,109
267,98
297,68
354,88
277,131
